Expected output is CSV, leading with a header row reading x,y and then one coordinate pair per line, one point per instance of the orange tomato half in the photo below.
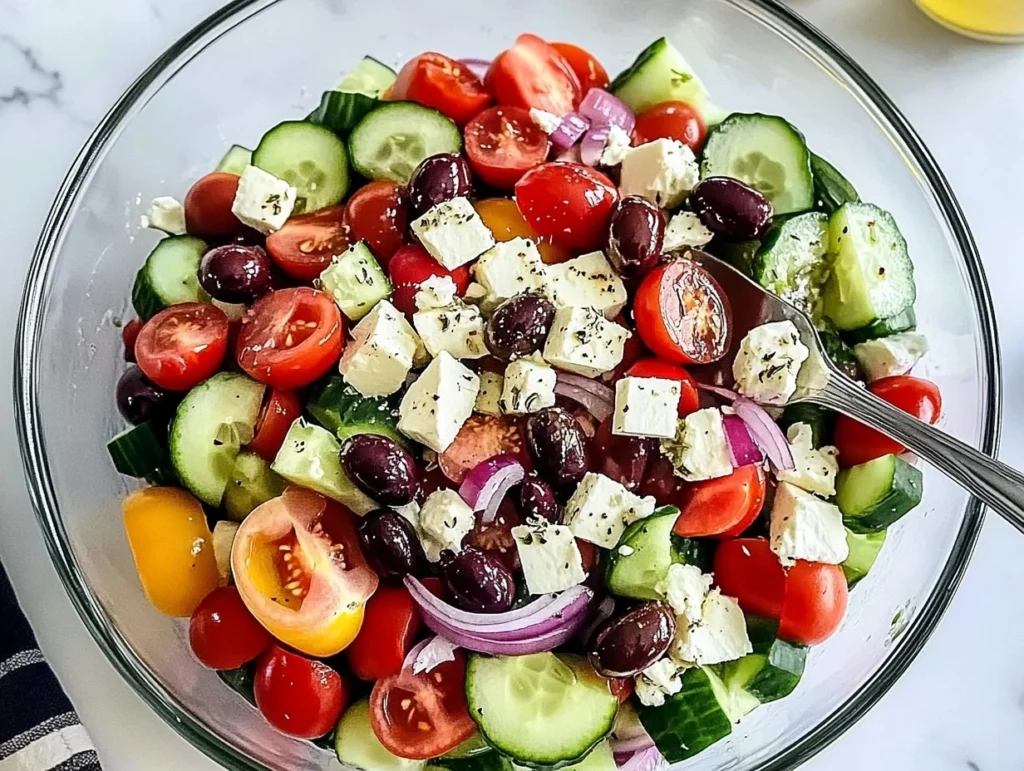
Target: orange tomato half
x,y
505,220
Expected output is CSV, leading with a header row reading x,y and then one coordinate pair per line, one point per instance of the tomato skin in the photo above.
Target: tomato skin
x,y
689,399
208,206
298,696
533,74
129,334
671,120
410,267
222,632
304,246
859,444
585,65
503,218
567,202
378,213
182,345
482,437
503,143
816,599
747,569
389,627
723,507
279,412
437,81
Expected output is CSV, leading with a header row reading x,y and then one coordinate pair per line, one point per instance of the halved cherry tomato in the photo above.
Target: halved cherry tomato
x,y
222,632
747,569
671,120
279,412
425,715
378,213
682,314
482,437
918,397
172,547
305,245
130,333
298,696
534,74
503,143
689,400
588,69
182,345
816,598
208,206
621,688
496,536
299,569
567,202
723,507
503,218
390,625
434,80
290,337
410,267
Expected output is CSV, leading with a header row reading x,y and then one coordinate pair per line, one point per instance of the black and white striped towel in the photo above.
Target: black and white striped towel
x,y
39,730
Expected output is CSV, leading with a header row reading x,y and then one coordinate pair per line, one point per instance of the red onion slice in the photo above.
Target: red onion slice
x,y
598,398
485,487
765,432
569,131
429,654
723,393
493,647
606,110
424,598
478,67
645,760
742,447
592,146
637,743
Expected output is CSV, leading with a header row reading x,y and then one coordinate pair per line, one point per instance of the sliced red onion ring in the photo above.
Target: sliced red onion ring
x,y
569,131
637,743
723,393
538,644
572,155
604,109
646,760
766,432
742,447
478,67
423,597
485,487
598,398
592,146
430,653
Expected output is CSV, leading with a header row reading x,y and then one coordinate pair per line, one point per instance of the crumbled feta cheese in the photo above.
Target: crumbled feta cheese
x,y
685,230
547,122
663,171
600,509
457,329
814,470
768,362
616,147
436,292
806,528
719,636
660,679
528,387
587,281
625,550
699,449
488,400
438,403
453,233
262,201
445,519
685,587
166,214
411,511
510,268
583,341
646,406
381,352
475,293
888,356
549,555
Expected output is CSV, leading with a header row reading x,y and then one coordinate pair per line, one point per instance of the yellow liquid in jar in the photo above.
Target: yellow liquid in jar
x,y
989,19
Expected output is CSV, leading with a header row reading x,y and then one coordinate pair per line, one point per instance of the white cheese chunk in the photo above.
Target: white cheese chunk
x,y
719,636
546,121
814,469
889,356
453,233
488,400
457,329
660,680
583,341
685,587
166,214
262,201
646,406
600,509
806,528
768,362
438,403
528,387
700,449
549,555
663,171
510,268
616,146
685,231
444,521
588,281
436,292
381,353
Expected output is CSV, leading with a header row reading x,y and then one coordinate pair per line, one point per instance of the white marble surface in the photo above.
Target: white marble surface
x,y
960,706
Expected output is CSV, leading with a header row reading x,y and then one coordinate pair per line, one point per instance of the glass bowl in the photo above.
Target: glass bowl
x,y
257,62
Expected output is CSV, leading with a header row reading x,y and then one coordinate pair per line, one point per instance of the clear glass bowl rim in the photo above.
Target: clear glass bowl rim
x,y
134,671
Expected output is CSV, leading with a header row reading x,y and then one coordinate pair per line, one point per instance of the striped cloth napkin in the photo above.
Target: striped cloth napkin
x,y
39,730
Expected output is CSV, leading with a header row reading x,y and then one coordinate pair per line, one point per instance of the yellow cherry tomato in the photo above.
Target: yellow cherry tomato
x,y
503,217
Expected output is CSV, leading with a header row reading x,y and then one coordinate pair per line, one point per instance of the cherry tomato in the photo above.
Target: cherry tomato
x,y
633,351
621,688
816,598
182,345
425,715
918,397
689,400
172,547
290,337
130,333
482,437
588,69
436,81
671,120
298,696
723,507
378,213
208,206
534,74
747,569
279,412
299,569
222,632
503,218
390,625
503,143
410,267
569,203
682,314
496,536
305,245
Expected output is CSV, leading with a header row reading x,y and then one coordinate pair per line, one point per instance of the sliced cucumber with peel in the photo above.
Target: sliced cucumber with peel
x,y
645,552
356,281
252,483
235,160
773,670
832,188
392,140
140,451
356,95
864,551
370,77
793,261
340,408
875,494
887,327
659,74
169,276
310,158
357,746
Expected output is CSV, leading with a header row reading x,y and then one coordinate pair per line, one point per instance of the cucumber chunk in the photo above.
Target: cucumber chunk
x,y
765,152
356,281
773,670
893,325
339,408
837,350
140,451
821,420
169,276
235,160
357,746
252,483
370,77
341,111
793,261
875,494
832,188
599,759
864,551
659,74
308,157
392,140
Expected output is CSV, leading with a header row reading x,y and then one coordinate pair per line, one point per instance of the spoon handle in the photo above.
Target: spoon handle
x,y
996,484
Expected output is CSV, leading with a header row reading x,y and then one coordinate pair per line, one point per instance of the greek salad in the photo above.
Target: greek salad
x,y
458,460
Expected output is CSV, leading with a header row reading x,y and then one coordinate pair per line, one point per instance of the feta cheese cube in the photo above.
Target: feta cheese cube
x,y
814,470
453,233
381,352
600,509
719,636
616,147
528,387
438,402
588,281
510,268
549,555
436,292
888,356
646,406
768,362
488,400
663,171
445,519
457,329
685,587
546,121
166,214
262,201
685,230
700,449
659,680
806,528
583,341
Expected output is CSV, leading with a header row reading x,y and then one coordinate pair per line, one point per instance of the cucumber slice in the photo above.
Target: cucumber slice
x,y
832,188
341,111
894,325
872,275
212,423
356,281
739,254
369,77
357,746
169,276
875,494
473,746
252,483
235,160
841,354
864,551
140,450
821,421
659,74
308,157
540,710
773,670
765,152
392,140
793,261
338,407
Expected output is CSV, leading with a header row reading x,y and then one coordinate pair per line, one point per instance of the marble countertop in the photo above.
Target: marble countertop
x,y
961,704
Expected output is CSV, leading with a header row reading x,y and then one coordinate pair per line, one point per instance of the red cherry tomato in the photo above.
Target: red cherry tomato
x,y
671,120
305,245
390,625
747,569
496,536
816,598
182,345
588,69
378,213
502,144
208,206
290,337
129,334
482,437
682,314
298,696
918,397
723,507
279,412
567,202
534,74
223,633
689,401
410,267
436,81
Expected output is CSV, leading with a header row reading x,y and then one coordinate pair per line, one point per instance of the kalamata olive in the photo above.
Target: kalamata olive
x,y
381,468
558,447
140,399
626,645
636,234
729,208
235,273
390,545
537,499
477,581
519,326
622,458
437,179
